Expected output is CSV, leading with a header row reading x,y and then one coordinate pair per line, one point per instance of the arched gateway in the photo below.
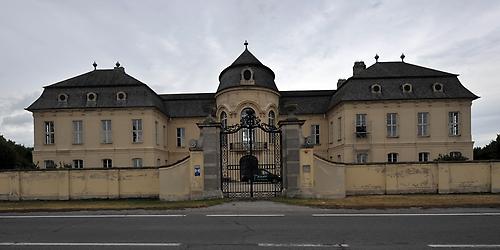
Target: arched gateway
x,y
251,163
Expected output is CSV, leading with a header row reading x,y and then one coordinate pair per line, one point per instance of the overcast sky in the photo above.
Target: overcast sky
x,y
182,46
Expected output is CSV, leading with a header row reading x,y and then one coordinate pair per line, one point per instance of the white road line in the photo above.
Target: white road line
x,y
388,215
91,216
245,215
463,246
301,245
165,244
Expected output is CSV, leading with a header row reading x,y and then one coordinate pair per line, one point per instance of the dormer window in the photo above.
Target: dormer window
x,y
62,98
376,89
437,87
247,76
121,96
91,97
407,88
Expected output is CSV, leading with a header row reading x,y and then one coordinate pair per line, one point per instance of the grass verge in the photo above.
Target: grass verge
x,y
401,201
123,204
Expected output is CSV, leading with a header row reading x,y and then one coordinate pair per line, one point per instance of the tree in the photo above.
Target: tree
x,y
448,157
14,155
488,152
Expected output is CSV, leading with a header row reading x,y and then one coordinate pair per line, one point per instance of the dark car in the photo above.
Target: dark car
x,y
262,175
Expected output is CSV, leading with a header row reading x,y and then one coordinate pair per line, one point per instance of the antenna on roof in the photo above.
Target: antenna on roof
x,y
246,44
376,57
95,65
402,57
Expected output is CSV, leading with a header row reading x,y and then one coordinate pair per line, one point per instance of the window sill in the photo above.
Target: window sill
x,y
423,136
77,143
454,135
137,142
393,137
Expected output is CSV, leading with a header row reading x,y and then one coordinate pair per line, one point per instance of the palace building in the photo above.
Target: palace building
x,y
387,112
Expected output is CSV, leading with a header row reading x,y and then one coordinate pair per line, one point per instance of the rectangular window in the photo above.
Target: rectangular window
x,y
453,123
107,163
392,157
331,133
361,125
77,163
164,136
78,132
136,130
180,137
137,162
49,164
423,124
362,158
392,125
339,135
49,132
106,135
423,156
157,136
315,134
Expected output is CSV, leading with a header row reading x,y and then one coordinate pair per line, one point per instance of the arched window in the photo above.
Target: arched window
x,y
223,119
246,136
271,118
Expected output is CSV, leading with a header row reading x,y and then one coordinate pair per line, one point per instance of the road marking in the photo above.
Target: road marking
x,y
387,215
301,245
165,244
463,246
245,215
91,216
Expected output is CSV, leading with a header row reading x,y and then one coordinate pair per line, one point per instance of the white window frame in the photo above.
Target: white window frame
x,y
362,157
392,157
361,123
77,132
50,133
77,163
49,164
137,131
271,118
106,132
223,119
423,124
315,134
454,123
180,137
137,162
107,163
392,124
424,156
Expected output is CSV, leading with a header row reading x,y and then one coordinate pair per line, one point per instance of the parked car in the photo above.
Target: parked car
x,y
262,175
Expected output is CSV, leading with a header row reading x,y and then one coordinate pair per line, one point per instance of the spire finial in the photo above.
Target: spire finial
x,y
246,44
117,64
376,57
402,57
95,65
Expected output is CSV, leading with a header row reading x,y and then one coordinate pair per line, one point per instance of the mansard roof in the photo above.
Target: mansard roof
x,y
263,76
106,83
391,76
188,105
308,101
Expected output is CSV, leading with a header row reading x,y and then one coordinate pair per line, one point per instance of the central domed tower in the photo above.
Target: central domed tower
x,y
247,83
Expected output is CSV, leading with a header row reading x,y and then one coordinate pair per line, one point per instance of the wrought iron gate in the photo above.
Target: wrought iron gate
x,y
251,159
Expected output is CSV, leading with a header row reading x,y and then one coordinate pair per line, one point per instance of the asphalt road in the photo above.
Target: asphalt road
x,y
254,225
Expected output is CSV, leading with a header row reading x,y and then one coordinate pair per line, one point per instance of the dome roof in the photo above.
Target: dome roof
x,y
262,76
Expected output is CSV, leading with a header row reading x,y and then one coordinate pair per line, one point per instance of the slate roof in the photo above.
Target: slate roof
x,y
106,83
188,105
263,76
391,76
308,101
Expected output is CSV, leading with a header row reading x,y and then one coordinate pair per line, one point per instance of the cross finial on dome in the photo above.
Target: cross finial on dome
x,y
402,57
246,44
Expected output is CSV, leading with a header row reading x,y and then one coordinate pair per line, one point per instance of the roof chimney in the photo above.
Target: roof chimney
x,y
340,82
358,67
